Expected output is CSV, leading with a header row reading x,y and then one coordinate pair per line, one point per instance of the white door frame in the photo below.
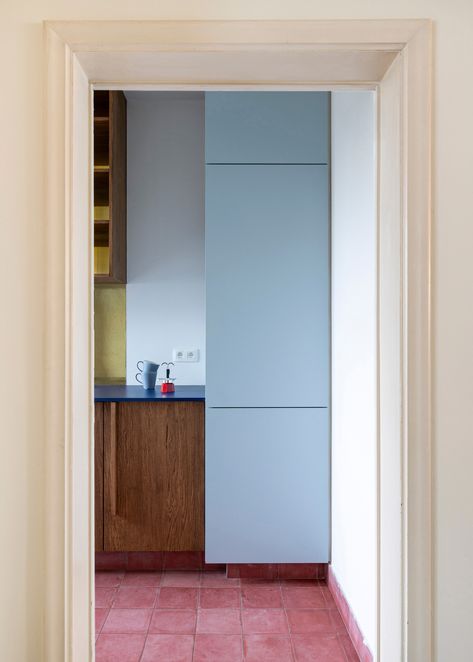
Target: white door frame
x,y
393,57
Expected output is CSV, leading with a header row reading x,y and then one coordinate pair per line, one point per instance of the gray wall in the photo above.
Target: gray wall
x,y
165,290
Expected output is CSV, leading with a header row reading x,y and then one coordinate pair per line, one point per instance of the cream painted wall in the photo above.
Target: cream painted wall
x,y
354,406
22,260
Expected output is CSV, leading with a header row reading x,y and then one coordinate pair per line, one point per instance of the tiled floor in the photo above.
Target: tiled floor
x,y
191,616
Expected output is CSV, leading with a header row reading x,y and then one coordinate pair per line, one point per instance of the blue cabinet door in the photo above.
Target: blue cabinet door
x,y
267,127
267,283
267,486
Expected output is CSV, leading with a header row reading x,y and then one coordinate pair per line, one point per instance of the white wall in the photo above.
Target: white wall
x,y
23,265
354,529
166,287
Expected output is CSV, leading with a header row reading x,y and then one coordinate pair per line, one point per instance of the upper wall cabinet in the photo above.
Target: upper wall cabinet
x,y
109,187
267,127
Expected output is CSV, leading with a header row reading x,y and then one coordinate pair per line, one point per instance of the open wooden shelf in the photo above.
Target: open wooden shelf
x,y
110,186
101,233
101,103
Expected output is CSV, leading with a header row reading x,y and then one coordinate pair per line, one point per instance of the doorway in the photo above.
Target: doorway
x,y
403,291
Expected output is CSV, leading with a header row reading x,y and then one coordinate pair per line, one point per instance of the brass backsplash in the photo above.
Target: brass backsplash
x,y
110,334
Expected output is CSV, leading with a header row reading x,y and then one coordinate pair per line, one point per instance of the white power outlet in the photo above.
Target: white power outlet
x,y
185,355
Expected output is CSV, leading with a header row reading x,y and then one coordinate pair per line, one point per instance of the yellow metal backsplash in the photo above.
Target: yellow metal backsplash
x,y
101,260
110,333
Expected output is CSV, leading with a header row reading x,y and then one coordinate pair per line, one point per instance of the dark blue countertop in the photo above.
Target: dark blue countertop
x,y
122,393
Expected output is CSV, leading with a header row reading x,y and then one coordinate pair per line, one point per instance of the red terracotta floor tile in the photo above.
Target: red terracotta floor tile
x,y
262,621
299,571
261,597
218,648
330,602
135,597
301,583
348,648
119,647
180,632
111,560
145,561
267,648
108,579
337,622
168,648
302,621
104,596
304,598
219,598
233,571
262,583
186,578
183,560
211,567
268,571
127,621
142,579
318,648
173,621
171,597
219,621
100,615
218,579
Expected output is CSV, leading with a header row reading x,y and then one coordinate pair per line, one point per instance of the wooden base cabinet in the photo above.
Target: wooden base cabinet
x,y
98,475
153,489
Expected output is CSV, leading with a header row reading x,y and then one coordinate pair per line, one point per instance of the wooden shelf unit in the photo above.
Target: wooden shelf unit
x,y
109,187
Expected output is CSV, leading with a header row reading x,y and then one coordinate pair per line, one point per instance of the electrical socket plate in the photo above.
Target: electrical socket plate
x,y
185,355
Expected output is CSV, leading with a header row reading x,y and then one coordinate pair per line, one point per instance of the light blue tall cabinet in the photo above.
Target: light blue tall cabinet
x,y
268,327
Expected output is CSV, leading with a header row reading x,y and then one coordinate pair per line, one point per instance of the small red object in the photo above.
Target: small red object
x,y
167,387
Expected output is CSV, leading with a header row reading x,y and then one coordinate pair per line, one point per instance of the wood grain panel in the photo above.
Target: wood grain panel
x,y
98,475
154,476
118,169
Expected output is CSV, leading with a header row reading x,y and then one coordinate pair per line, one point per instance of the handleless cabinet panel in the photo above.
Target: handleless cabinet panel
x,y
98,475
267,127
154,476
267,286
267,486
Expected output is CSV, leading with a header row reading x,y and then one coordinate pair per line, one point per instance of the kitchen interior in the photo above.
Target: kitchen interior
x,y
215,370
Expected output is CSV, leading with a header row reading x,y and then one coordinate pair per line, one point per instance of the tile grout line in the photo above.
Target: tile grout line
x,y
158,591
240,591
343,649
291,641
194,639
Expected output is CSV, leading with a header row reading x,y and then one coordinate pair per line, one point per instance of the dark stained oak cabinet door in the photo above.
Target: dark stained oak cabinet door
x,y
98,475
118,179
154,476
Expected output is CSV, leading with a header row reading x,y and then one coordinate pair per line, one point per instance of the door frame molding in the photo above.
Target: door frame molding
x,y
391,56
